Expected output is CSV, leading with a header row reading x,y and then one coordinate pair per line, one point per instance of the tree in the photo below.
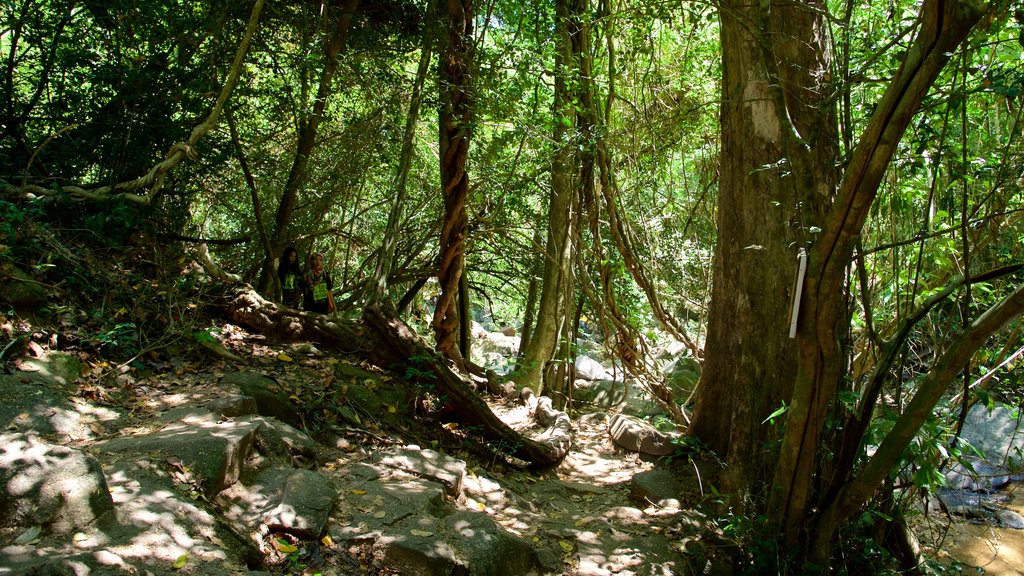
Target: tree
x,y
455,124
553,306
339,22
805,206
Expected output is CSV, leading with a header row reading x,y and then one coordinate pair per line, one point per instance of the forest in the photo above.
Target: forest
x,y
818,204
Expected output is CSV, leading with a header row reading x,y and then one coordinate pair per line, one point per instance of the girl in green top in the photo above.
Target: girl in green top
x,y
317,286
290,274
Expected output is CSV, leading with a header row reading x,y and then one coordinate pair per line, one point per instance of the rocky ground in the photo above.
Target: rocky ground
x,y
288,460
292,461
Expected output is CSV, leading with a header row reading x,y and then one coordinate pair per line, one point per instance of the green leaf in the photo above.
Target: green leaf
x,y
180,562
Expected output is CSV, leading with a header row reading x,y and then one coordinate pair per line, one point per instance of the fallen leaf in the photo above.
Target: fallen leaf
x,y
284,357
29,536
380,514
565,545
180,562
359,492
421,533
284,547
326,540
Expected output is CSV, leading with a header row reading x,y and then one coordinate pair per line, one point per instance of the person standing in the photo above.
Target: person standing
x,y
317,286
290,273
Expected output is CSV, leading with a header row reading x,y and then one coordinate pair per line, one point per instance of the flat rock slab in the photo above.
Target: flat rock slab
x,y
375,506
623,554
271,399
429,464
462,543
636,435
213,452
304,506
43,484
32,407
658,486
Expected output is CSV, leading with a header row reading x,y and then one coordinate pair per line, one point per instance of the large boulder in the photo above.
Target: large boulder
x,y
21,290
997,433
56,487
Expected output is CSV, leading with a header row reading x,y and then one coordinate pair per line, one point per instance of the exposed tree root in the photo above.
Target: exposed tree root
x,y
390,344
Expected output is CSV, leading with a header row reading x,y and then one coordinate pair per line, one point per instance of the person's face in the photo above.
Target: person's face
x,y
318,262
292,257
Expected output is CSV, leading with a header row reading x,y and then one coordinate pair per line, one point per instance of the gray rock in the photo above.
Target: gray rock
x,y
22,291
271,399
304,506
418,552
38,409
624,396
215,409
275,438
429,464
213,452
1010,519
486,548
639,436
57,367
589,369
43,484
979,476
997,434
658,486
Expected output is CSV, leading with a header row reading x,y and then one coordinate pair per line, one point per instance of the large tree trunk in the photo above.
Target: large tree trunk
x,y
454,124
553,306
944,25
779,145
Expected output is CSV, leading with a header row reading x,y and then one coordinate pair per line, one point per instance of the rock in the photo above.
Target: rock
x,y
658,486
589,369
979,476
484,547
275,438
213,452
304,505
429,464
1010,519
639,436
232,406
996,435
47,485
681,377
624,396
270,399
418,551
387,506
508,331
57,367
21,290
39,409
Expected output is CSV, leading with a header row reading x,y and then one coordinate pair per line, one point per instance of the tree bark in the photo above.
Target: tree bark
x,y
552,306
821,360
455,132
779,145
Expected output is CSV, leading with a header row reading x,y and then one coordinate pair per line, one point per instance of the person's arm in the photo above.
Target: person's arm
x,y
331,307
